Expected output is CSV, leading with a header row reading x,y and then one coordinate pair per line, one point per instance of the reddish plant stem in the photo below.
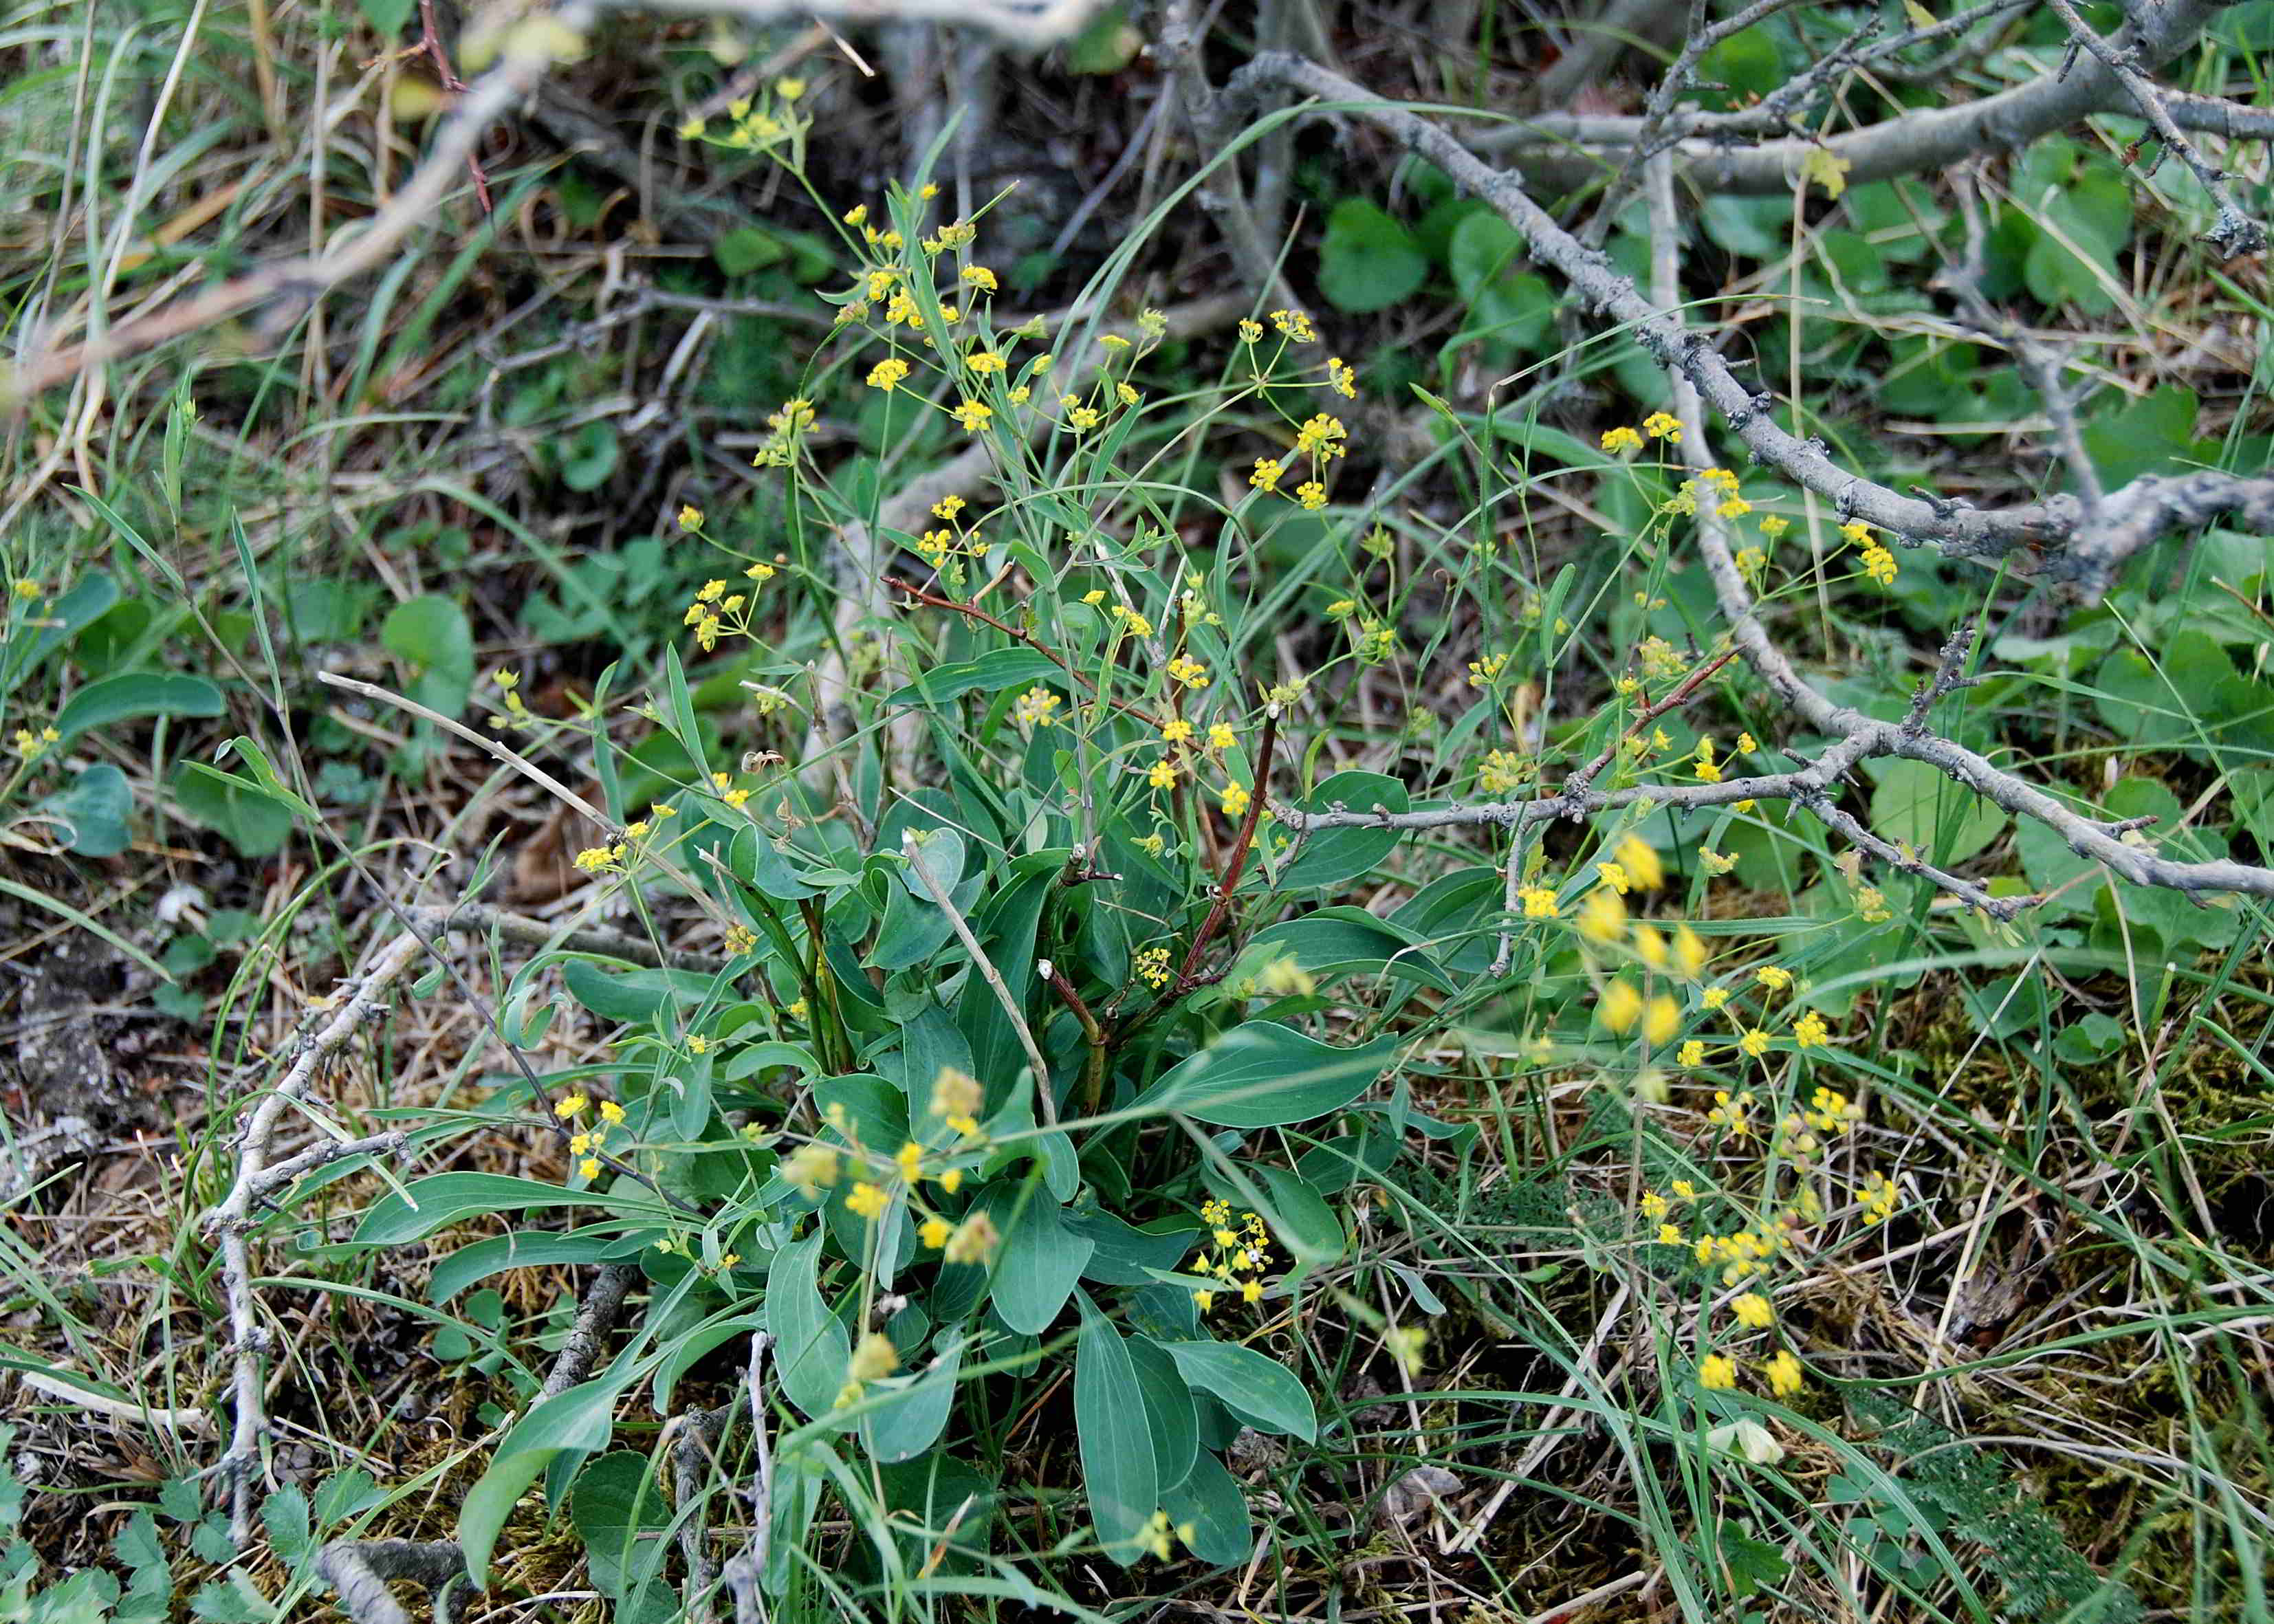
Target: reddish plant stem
x,y
1027,638
431,43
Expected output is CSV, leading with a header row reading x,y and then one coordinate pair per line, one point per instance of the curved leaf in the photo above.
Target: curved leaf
x,y
1264,1075
1264,1392
137,693
1117,1468
811,1346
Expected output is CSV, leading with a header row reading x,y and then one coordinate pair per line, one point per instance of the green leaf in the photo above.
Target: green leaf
x,y
618,1511
1943,822
137,693
1263,1392
633,997
1106,46
1264,1075
1117,1468
522,1248
745,249
1170,1415
1333,855
237,808
58,621
429,1204
581,1419
1039,1261
94,809
1299,1215
811,1346
990,673
1367,262
260,776
593,451
1342,941
431,634
385,17
912,1421
1209,1501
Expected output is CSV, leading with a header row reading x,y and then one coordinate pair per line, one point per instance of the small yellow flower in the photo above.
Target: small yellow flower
x,y
973,416
887,375
1774,977
1621,440
1250,331
1538,902
974,1240
1784,1373
1717,1372
1689,952
1810,1032
934,1233
866,1199
812,1169
1219,737
1236,799
1661,1021
1755,1042
1663,425
590,1168
980,277
1621,1006
1752,1310
1640,860
1037,707
570,1105
1692,1053
1716,862
690,516
1602,916
1161,774
1714,997
1176,730
611,1112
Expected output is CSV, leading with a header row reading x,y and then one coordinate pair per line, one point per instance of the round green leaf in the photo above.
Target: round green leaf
x,y
1368,262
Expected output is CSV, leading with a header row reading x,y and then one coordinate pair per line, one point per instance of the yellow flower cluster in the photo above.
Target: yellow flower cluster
x,y
1502,771
1234,1255
1877,562
588,1143
716,610
769,125
1783,1370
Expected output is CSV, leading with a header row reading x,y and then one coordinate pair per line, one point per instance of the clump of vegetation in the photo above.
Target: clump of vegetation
x,y
1530,865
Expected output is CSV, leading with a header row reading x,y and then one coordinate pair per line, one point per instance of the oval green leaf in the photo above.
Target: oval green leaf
x,y
1264,1075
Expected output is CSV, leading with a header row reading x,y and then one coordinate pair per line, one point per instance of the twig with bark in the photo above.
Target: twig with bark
x,y
2052,535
